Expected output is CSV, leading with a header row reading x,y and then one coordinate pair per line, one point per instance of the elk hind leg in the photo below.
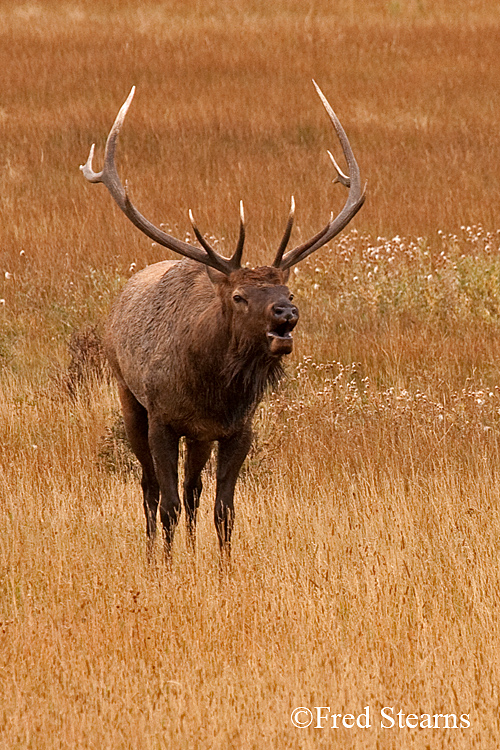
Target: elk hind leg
x,y
197,454
164,446
135,417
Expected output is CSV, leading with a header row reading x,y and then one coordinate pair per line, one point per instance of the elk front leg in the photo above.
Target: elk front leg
x,y
197,454
164,445
232,453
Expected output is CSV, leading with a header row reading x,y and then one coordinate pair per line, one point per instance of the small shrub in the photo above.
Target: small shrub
x,y
88,362
115,455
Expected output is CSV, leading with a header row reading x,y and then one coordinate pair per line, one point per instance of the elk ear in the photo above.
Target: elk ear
x,y
215,276
286,275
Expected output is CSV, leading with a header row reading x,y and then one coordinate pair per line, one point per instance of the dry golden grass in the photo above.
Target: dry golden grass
x,y
366,545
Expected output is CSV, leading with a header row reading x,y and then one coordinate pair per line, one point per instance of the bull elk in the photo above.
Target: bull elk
x,y
193,345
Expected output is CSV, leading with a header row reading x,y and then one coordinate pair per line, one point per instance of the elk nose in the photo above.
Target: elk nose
x,y
285,312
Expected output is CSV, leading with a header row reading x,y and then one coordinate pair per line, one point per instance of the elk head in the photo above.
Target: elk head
x,y
257,297
258,307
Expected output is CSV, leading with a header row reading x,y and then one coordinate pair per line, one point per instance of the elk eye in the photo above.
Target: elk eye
x,y
291,297
238,298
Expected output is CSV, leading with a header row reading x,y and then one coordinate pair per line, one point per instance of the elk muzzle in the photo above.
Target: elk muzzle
x,y
284,317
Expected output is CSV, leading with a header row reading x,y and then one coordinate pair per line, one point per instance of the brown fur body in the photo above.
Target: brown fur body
x,y
192,352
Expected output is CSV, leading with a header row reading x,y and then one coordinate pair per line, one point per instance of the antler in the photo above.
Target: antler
x,y
355,200
110,178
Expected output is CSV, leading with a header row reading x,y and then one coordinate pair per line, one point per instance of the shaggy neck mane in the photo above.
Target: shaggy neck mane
x,y
247,378
235,387
250,374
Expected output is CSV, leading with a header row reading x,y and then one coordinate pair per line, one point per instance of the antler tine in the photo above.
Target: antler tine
x,y
355,198
301,249
209,249
341,177
236,258
110,178
108,175
286,235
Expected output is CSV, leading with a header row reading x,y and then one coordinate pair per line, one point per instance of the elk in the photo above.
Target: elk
x,y
193,345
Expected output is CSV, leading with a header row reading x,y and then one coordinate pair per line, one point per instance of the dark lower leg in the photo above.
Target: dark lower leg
x,y
197,454
135,418
164,445
151,493
232,453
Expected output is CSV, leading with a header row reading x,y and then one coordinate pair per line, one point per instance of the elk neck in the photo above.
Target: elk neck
x,y
230,369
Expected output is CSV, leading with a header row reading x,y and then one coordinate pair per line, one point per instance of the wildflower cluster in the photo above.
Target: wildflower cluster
x,y
454,277
341,408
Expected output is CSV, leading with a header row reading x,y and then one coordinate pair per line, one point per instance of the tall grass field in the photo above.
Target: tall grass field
x,y
362,609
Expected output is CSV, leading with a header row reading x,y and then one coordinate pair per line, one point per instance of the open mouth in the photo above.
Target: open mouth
x,y
280,339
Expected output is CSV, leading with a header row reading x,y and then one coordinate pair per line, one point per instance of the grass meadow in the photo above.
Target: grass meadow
x,y
365,557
